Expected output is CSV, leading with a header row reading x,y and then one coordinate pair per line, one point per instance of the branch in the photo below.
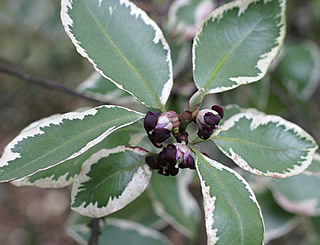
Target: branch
x,y
15,72
95,231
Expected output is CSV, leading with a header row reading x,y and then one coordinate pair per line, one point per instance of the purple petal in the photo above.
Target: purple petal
x,y
152,163
161,134
211,119
170,152
219,110
152,138
189,161
205,132
150,121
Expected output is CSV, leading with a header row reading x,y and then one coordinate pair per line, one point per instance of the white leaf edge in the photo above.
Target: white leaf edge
x,y
125,225
181,26
279,232
265,59
259,119
316,157
187,201
135,187
208,201
115,96
67,21
309,207
35,129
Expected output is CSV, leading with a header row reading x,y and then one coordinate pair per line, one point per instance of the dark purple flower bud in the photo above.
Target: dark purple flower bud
x,y
150,121
159,126
184,156
152,163
208,120
167,156
218,109
173,171
205,132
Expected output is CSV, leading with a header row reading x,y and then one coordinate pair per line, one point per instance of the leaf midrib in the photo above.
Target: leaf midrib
x,y
94,189
62,145
216,69
117,49
230,200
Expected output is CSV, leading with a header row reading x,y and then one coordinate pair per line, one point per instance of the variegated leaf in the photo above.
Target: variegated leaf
x,y
123,44
119,232
65,137
237,43
298,194
185,16
232,213
314,167
278,222
265,145
141,210
173,202
64,174
109,180
299,69
100,88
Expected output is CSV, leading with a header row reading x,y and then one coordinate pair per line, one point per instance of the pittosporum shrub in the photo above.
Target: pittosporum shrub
x,y
111,154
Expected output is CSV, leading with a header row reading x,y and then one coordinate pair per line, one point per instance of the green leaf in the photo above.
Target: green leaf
x,y
277,221
174,203
237,43
109,180
299,69
314,167
64,174
123,44
185,16
140,210
232,213
298,194
100,88
265,144
119,232
65,137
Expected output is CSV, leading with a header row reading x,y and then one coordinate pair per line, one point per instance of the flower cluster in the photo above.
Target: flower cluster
x,y
208,120
172,155
159,127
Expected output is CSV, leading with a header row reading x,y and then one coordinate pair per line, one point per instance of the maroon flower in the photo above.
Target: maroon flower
x,y
172,155
159,126
208,120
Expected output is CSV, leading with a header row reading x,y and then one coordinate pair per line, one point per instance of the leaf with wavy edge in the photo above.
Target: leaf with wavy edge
x,y
123,44
64,174
65,137
232,213
298,194
265,145
237,43
109,180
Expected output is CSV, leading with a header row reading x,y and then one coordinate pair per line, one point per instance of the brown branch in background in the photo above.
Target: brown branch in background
x,y
43,82
95,231
164,12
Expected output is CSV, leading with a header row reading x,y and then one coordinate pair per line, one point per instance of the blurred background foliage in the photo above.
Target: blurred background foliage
x,y
32,40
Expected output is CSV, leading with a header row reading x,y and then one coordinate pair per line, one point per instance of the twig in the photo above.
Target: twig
x,y
13,71
95,231
163,12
